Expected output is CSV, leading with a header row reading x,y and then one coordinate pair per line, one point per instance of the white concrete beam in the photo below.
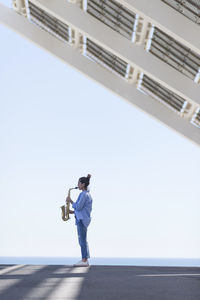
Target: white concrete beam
x,y
123,48
92,70
167,19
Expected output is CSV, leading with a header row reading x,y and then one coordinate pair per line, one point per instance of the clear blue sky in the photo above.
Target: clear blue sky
x,y
57,125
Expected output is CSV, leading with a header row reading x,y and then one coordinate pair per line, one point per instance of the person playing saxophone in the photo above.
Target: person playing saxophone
x,y
82,210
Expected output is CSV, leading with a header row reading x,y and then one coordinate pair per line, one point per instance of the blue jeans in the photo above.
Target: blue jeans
x,y
82,238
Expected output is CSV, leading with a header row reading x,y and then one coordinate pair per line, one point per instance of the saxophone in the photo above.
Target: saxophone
x,y
65,208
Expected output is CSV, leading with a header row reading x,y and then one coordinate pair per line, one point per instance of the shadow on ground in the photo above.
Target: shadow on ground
x,y
19,282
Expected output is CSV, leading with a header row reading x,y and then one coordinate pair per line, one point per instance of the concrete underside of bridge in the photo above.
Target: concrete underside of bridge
x,y
142,62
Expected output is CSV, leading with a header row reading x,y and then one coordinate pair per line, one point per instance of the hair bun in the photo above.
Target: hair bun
x,y
89,176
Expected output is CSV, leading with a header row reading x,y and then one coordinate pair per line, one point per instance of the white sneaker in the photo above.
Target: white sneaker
x,y
81,264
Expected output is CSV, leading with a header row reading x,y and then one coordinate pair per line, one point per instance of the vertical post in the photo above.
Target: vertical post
x,y
20,6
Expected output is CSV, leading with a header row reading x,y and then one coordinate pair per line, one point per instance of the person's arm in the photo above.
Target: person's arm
x,y
71,211
79,205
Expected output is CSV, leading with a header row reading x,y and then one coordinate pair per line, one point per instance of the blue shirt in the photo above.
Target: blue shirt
x,y
83,207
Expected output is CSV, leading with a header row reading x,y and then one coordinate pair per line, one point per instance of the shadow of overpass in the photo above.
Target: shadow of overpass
x,y
99,282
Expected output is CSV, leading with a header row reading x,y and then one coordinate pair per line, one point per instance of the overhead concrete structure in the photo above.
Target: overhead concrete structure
x,y
146,52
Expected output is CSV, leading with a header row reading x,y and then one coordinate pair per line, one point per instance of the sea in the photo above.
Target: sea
x,y
106,261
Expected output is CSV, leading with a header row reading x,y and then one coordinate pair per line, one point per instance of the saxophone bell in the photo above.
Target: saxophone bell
x,y
65,217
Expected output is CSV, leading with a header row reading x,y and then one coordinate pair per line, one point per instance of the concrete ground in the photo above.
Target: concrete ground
x,y
19,282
